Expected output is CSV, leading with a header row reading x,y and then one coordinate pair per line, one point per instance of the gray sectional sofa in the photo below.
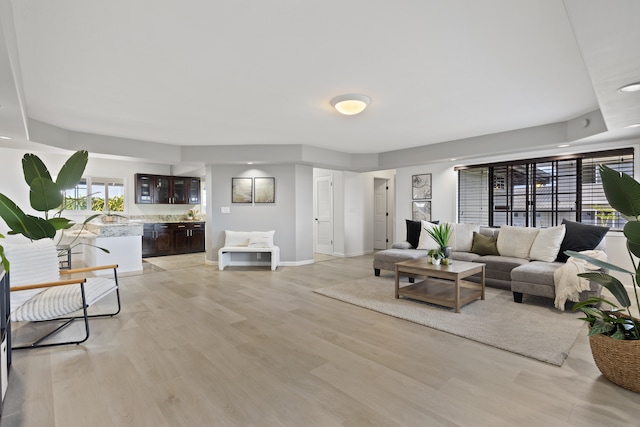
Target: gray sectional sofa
x,y
519,274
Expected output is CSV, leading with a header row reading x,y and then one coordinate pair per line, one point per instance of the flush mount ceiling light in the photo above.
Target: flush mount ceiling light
x,y
633,125
632,87
350,104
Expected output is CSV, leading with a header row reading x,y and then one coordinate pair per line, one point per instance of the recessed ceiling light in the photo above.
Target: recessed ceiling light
x,y
351,104
632,87
633,125
453,160
5,137
563,145
249,163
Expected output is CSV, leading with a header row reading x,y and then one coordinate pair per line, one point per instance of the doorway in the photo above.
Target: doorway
x,y
381,216
323,215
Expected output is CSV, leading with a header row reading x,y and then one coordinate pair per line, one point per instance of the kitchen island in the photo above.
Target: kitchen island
x,y
123,241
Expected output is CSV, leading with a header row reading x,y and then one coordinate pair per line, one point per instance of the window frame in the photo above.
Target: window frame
x,y
534,200
91,181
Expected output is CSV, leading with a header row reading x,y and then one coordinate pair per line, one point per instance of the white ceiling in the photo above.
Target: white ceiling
x,y
198,72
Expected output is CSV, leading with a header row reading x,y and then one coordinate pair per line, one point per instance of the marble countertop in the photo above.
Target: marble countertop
x,y
114,229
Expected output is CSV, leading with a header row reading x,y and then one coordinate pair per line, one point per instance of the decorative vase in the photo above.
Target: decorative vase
x,y
617,360
436,261
446,250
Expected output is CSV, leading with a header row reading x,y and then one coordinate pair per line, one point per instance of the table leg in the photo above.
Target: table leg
x,y
482,283
397,282
457,303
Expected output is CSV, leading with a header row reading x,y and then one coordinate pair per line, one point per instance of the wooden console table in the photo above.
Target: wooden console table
x,y
442,284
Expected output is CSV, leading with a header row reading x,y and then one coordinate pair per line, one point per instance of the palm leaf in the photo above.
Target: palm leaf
x,y
622,191
72,170
596,262
44,195
614,285
38,228
33,168
12,215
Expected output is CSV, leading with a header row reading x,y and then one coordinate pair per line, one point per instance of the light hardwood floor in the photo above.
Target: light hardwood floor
x,y
195,346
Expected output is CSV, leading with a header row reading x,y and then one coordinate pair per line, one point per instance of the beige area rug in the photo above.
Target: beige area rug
x,y
534,329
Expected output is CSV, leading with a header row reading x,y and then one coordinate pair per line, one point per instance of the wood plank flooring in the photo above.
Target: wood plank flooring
x,y
194,346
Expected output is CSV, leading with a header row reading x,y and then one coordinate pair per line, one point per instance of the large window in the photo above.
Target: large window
x,y
541,192
96,194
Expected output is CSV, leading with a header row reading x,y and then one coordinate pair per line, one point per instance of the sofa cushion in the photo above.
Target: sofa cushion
x,y
465,256
462,236
484,245
516,241
580,237
502,263
397,255
426,241
536,272
547,243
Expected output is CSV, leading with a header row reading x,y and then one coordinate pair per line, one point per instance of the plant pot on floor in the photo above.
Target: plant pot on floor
x,y
617,360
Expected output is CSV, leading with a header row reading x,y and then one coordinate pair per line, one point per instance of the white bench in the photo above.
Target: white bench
x,y
248,242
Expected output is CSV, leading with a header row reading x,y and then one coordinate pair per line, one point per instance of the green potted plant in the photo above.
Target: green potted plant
x,y
441,233
45,195
614,334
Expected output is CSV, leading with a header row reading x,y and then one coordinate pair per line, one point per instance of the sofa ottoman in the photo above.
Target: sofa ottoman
x,y
386,259
536,278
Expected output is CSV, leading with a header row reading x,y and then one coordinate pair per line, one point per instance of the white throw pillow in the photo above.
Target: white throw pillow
x,y
234,239
547,243
462,236
516,241
426,242
261,239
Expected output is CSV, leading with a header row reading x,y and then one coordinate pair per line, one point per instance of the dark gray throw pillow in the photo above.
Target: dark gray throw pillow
x,y
580,237
413,231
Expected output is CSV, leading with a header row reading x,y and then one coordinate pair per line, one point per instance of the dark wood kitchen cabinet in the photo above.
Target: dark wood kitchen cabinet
x,y
188,237
173,238
164,189
157,239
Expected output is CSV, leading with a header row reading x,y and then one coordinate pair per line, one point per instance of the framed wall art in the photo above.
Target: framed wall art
x,y
421,211
264,190
241,190
421,186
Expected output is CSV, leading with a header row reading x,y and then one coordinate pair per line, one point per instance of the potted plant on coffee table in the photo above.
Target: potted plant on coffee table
x,y
614,333
441,233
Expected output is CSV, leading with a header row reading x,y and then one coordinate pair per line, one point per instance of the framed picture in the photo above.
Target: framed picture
x,y
421,186
264,190
241,190
421,211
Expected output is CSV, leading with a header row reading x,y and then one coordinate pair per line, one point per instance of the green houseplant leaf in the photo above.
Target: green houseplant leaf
x,y
596,262
614,285
45,195
72,170
622,191
33,168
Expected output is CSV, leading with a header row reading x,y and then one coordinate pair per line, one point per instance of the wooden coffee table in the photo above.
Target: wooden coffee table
x,y
443,284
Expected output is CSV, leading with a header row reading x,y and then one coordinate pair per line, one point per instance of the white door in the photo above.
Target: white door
x,y
324,215
380,213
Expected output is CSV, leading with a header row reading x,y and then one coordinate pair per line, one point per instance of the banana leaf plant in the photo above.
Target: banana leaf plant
x,y
45,195
623,194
